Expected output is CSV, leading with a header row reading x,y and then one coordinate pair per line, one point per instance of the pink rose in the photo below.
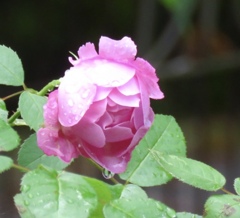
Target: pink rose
x,y
101,109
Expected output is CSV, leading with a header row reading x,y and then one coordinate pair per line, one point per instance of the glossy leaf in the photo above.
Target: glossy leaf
x,y
165,136
134,203
11,70
9,139
31,108
190,171
31,156
48,193
223,206
237,185
6,163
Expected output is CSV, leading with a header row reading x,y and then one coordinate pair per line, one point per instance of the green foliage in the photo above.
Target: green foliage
x,y
31,156
31,108
135,203
9,139
187,215
11,70
48,193
164,136
3,111
237,185
223,206
190,171
6,163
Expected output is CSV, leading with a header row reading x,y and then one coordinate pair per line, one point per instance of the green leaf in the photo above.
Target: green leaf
x,y
31,156
3,111
21,207
190,171
187,215
6,163
164,135
104,193
222,206
48,193
9,139
31,108
237,185
134,203
11,70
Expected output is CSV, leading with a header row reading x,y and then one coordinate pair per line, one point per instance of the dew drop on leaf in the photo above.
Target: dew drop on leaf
x,y
26,203
107,174
25,188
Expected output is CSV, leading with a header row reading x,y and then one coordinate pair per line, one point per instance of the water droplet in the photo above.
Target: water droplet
x,y
70,102
107,174
69,201
26,203
25,188
30,195
69,120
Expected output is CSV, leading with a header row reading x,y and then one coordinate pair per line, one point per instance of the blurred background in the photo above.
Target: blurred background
x,y
194,46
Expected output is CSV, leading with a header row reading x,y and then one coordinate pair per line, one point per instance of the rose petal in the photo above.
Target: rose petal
x,y
119,98
106,73
129,88
76,94
53,143
92,133
96,110
118,133
51,110
122,50
146,74
102,93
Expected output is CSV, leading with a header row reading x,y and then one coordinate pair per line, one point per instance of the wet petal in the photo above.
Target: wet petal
x,y
53,143
122,50
76,94
51,110
106,73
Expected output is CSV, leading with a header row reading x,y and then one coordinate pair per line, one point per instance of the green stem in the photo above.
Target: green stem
x,y
21,168
14,117
49,87
226,191
12,95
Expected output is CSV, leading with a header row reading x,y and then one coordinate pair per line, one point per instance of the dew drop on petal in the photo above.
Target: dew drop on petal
x,y
107,174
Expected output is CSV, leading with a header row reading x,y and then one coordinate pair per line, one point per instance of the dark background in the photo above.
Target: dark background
x,y
193,44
